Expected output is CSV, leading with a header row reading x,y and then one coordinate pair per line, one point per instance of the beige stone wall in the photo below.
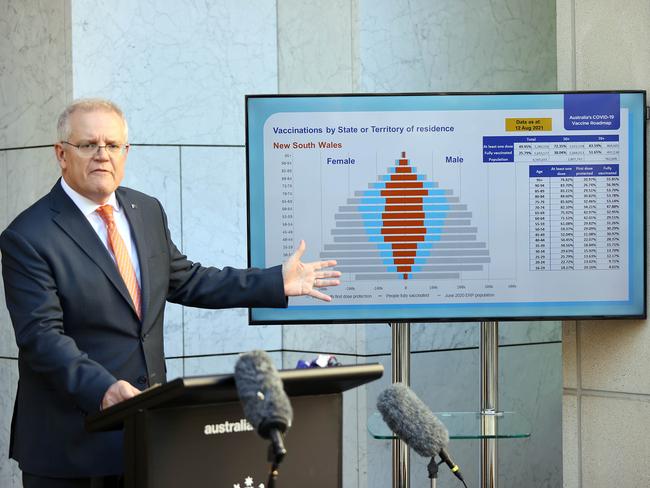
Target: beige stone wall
x,y
605,44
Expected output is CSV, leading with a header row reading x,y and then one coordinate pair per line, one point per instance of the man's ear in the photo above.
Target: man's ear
x,y
59,152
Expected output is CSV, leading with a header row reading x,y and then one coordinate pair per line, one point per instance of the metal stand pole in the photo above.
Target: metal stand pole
x,y
401,363
432,467
489,347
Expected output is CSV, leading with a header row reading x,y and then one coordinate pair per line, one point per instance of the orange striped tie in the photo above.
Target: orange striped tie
x,y
122,258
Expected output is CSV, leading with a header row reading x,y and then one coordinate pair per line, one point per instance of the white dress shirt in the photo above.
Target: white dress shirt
x,y
88,208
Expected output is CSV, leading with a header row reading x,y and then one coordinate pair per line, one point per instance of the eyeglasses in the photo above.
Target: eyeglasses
x,y
88,149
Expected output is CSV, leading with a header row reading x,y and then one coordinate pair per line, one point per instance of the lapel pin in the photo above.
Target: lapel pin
x,y
133,205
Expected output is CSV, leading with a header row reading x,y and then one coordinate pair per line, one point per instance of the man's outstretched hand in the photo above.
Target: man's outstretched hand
x,y
304,278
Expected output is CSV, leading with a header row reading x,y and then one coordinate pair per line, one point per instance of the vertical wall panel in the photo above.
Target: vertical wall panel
x,y
612,54
570,435
214,233
531,384
614,356
315,54
615,447
456,46
33,88
569,354
605,47
32,71
565,45
179,69
9,473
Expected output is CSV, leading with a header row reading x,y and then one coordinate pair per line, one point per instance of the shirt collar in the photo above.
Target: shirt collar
x,y
86,205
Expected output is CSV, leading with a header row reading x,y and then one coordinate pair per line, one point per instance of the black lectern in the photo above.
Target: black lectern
x,y
191,432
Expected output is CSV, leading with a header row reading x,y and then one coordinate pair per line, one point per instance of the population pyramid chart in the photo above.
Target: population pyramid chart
x,y
404,227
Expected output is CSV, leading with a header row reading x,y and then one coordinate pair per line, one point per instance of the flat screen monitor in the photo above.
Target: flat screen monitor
x,y
453,207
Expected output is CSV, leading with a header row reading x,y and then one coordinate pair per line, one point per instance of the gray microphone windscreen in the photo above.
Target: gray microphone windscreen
x,y
408,417
261,392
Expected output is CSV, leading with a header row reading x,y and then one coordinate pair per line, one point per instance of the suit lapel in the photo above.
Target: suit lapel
x,y
70,219
138,233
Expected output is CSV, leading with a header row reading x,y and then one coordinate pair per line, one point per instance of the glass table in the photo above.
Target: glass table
x,y
466,425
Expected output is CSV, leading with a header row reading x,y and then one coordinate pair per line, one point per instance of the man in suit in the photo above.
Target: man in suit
x,y
87,271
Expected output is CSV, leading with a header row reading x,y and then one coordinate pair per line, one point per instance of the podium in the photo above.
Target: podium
x,y
191,432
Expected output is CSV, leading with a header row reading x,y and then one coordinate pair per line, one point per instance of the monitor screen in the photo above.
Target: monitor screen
x,y
444,207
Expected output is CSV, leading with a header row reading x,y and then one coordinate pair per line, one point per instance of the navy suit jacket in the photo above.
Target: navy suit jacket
x,y
77,330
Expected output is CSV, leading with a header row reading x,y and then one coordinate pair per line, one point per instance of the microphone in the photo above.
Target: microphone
x,y
408,417
266,405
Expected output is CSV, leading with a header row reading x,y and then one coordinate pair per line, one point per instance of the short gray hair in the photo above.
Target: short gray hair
x,y
87,105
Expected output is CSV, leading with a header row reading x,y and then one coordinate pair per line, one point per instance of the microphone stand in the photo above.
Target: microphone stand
x,y
275,456
273,475
432,467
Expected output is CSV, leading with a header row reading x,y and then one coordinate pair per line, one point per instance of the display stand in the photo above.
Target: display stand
x,y
192,431
401,373
489,349
488,425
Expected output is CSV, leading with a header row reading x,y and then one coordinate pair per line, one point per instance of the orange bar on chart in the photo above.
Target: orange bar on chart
x,y
418,238
404,230
402,215
404,184
393,200
403,193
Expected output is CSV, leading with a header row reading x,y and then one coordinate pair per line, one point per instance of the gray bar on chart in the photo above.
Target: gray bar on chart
x,y
458,230
361,269
362,208
355,252
454,237
457,245
455,267
433,276
367,223
348,232
348,216
356,262
351,239
364,244
459,215
459,237
359,201
349,247
467,252
348,223
412,276
349,254
439,230
453,222
434,184
370,261
379,276
456,260
370,223
362,193
438,267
